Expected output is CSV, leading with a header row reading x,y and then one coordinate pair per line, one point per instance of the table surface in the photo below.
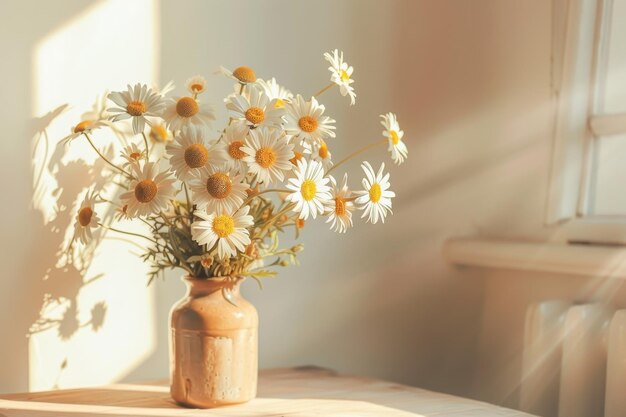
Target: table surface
x,y
297,392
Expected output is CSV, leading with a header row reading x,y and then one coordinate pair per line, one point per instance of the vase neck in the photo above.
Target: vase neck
x,y
198,287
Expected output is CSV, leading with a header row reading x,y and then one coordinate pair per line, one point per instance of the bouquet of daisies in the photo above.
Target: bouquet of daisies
x,y
214,201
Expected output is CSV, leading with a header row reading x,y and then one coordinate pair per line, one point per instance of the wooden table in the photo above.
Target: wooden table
x,y
298,392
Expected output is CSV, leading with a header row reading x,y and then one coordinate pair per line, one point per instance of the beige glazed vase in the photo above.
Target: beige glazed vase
x,y
213,345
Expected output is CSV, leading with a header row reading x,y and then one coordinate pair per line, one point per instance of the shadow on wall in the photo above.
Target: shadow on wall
x,y
60,310
37,281
58,275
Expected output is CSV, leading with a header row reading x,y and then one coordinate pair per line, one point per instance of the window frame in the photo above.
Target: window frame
x,y
577,50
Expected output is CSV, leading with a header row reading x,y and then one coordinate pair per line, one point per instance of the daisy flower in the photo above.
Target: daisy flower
x,y
255,108
320,153
196,84
243,74
299,150
340,74
304,120
121,213
339,209
187,111
86,219
392,131
310,192
189,152
375,199
267,154
150,192
230,145
85,126
132,154
138,102
159,133
217,190
275,92
229,231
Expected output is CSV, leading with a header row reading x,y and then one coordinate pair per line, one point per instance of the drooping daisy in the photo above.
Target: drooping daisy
x,y
121,213
229,231
310,190
305,121
196,84
243,74
85,126
216,190
392,131
187,111
189,152
150,191
341,74
230,146
375,199
277,93
320,153
86,219
267,155
159,133
299,150
132,154
138,102
255,108
339,209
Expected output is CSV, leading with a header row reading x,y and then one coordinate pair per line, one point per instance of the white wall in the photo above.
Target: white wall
x,y
470,84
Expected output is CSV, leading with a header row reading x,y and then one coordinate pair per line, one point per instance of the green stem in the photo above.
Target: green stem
x,y
353,154
189,207
323,90
127,233
104,158
272,220
269,190
145,142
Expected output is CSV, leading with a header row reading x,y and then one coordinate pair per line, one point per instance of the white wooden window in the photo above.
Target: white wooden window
x,y
588,181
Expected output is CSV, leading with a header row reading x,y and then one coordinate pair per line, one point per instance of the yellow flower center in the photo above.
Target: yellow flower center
x,y
255,115
308,189
197,87
135,155
344,76
296,157
82,126
308,124
196,155
280,103
244,74
394,137
323,151
84,216
136,108
234,150
187,107
340,206
265,157
223,225
375,192
145,191
158,133
219,185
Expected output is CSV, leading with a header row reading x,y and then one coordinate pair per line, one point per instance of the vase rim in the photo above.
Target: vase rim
x,y
213,279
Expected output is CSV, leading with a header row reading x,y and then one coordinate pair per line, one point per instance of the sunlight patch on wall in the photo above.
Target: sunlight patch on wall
x,y
97,319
